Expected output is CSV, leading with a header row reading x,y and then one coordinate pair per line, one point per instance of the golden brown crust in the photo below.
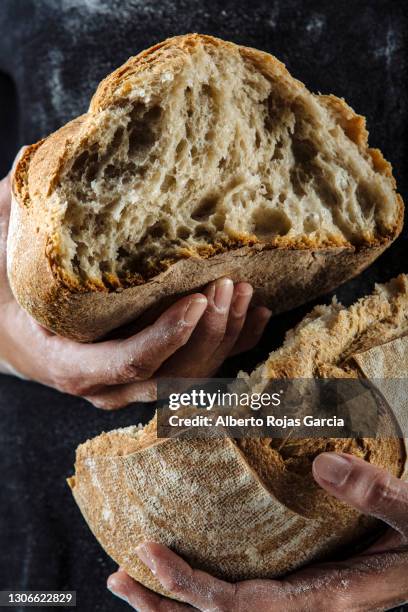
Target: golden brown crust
x,y
282,279
20,176
239,529
354,125
327,349
59,299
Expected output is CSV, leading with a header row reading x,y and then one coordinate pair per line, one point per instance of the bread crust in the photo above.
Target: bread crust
x,y
239,529
285,273
282,278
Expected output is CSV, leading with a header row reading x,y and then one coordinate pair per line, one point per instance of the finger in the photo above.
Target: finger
x,y
372,582
368,488
191,586
5,205
5,183
119,396
140,598
207,337
5,195
5,202
241,299
255,323
81,369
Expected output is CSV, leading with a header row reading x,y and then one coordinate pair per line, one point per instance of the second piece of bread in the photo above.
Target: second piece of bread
x,y
254,509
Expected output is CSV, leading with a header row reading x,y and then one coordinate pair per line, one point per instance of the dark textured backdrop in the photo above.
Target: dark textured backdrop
x,y
52,55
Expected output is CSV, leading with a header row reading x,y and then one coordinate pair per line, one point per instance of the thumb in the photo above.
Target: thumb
x,y
5,190
369,489
5,201
5,196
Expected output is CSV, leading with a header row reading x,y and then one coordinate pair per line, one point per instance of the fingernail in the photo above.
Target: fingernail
x,y
144,555
332,468
241,300
223,289
122,597
112,587
194,310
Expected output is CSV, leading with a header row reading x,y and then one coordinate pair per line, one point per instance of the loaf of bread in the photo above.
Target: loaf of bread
x,y
253,507
197,159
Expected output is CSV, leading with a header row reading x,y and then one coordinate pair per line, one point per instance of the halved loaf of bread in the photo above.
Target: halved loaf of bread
x,y
253,508
197,159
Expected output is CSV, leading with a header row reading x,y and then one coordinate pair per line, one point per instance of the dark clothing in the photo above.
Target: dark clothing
x,y
53,53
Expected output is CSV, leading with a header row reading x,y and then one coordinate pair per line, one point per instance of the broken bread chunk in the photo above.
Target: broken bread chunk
x,y
197,158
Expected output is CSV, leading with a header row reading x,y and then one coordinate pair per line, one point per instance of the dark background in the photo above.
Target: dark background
x,y
53,53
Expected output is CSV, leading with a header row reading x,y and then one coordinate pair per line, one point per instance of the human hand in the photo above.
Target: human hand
x,y
376,579
189,340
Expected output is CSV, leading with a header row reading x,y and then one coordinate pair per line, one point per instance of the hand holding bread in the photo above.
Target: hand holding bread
x,y
375,579
113,373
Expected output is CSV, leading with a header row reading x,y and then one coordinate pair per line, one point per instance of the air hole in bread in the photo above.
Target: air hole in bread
x,y
181,150
189,105
141,137
183,232
277,154
271,222
366,198
218,220
158,230
115,142
169,183
91,168
304,151
112,171
79,164
104,266
205,208
204,231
